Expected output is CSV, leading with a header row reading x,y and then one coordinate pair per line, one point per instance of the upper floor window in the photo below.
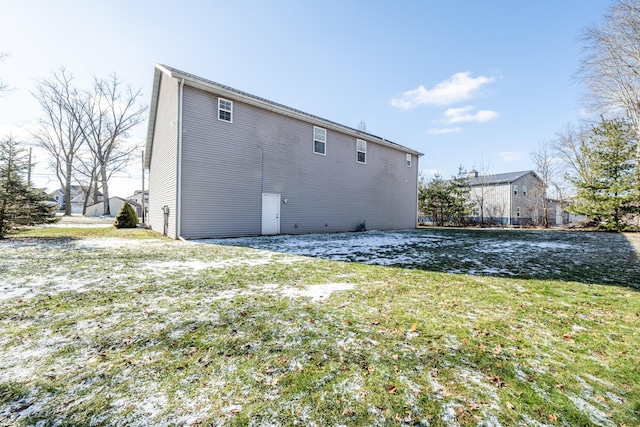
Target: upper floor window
x,y
361,151
524,190
225,110
319,140
408,160
515,190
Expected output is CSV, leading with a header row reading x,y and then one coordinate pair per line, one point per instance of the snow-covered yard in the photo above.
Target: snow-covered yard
x,y
537,254
128,331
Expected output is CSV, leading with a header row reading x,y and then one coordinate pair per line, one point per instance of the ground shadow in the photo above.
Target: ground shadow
x,y
587,257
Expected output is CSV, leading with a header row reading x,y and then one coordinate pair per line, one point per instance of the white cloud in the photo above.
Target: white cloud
x,y
466,114
510,156
442,131
459,87
430,173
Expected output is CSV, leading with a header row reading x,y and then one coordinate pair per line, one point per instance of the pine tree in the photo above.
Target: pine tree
x,y
20,205
609,189
445,201
127,217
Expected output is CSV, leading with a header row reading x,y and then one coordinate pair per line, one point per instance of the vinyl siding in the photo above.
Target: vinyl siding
x,y
495,199
163,165
500,202
227,167
528,204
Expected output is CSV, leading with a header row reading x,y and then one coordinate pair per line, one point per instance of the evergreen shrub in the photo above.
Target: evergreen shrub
x,y
127,217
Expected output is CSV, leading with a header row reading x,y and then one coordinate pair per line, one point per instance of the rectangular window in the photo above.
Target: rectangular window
x,y
225,110
361,151
408,160
515,190
517,212
319,140
524,190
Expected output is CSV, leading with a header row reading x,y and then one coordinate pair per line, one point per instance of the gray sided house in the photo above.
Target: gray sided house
x,y
513,198
224,163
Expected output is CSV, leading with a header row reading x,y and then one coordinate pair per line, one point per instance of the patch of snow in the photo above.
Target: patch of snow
x,y
233,409
489,421
596,416
615,398
519,372
152,406
432,378
587,390
449,414
350,388
110,243
317,292
9,292
452,342
478,379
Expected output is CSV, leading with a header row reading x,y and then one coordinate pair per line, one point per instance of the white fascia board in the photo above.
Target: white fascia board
x,y
153,109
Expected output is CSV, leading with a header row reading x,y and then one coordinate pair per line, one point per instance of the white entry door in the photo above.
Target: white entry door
x,y
270,213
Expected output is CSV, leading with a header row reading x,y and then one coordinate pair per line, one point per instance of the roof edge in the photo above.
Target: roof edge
x,y
211,86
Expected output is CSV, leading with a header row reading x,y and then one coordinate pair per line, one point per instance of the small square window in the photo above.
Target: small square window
x,y
408,160
225,110
319,140
518,212
361,151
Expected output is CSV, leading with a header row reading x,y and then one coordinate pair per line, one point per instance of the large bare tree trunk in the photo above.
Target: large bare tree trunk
x,y
58,131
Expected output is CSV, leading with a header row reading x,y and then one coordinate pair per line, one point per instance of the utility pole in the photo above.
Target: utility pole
x,y
29,169
143,192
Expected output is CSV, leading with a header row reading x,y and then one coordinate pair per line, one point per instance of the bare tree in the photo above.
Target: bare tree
x,y
58,131
362,126
479,191
610,67
109,113
546,167
4,87
569,144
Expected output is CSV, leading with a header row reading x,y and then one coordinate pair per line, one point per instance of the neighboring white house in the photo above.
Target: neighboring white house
x,y
115,204
225,163
513,198
78,194
136,197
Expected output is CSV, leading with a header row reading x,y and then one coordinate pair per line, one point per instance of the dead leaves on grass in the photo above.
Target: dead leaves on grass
x,y
496,381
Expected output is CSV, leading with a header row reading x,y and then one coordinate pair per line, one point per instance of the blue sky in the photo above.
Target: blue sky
x,y
472,83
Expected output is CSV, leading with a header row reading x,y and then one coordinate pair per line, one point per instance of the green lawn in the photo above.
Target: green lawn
x,y
113,327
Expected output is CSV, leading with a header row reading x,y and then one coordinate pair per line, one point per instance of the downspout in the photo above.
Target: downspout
x,y
417,190
179,167
509,192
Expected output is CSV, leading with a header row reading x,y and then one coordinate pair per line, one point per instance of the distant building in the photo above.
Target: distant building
x,y
136,198
78,194
115,204
513,198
